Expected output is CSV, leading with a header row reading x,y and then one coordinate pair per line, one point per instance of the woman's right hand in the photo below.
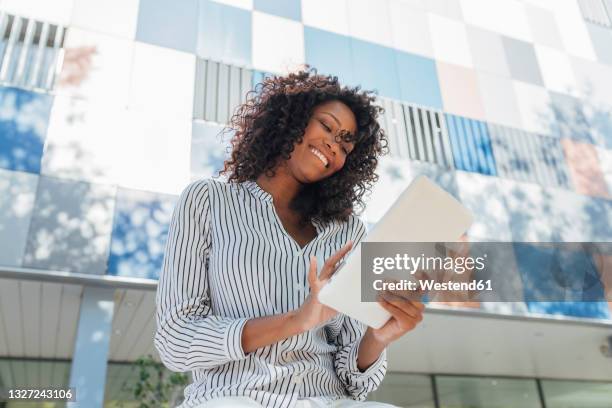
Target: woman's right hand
x,y
312,312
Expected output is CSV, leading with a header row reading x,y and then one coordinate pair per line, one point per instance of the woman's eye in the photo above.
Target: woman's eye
x,y
325,126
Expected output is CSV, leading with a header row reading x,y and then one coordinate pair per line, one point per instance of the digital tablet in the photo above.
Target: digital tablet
x,y
424,212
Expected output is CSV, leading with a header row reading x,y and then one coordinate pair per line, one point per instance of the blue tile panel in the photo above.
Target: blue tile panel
x,y
418,80
224,33
283,8
395,74
329,53
375,68
167,23
140,230
471,145
24,118
575,280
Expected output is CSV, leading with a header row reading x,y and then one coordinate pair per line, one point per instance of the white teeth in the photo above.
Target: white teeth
x,y
319,155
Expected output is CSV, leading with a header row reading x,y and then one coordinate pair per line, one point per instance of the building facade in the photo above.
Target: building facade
x,y
109,109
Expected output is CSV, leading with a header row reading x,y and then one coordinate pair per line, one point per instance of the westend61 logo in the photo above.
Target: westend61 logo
x,y
488,271
412,264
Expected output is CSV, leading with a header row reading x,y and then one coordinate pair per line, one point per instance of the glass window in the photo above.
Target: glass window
x,y
405,390
570,394
480,392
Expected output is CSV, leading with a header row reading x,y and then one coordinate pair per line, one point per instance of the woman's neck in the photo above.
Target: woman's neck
x,y
282,187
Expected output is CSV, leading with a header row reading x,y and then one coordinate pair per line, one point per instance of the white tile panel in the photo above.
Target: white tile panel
x,y
96,67
329,15
85,141
487,51
460,90
369,21
605,162
594,81
450,41
498,99
57,11
17,195
535,107
116,17
491,219
447,8
544,27
556,69
529,211
507,17
164,168
572,27
243,4
410,29
98,143
162,81
287,37
69,310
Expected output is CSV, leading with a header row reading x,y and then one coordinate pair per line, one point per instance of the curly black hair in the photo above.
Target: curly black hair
x,y
273,119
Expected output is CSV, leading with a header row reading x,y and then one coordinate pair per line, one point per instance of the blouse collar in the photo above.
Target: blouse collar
x,y
257,191
263,195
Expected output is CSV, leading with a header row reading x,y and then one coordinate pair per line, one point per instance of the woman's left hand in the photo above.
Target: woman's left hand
x,y
405,315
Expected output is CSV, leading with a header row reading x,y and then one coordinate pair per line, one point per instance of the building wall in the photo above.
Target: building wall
x,y
511,102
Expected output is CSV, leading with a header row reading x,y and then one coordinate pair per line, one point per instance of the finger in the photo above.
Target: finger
x,y
405,321
312,271
329,267
403,304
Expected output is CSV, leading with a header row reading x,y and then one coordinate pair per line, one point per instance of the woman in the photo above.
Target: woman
x,y
237,298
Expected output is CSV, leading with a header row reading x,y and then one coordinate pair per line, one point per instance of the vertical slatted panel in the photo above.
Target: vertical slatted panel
x,y
471,145
199,94
426,134
223,89
39,56
444,138
410,137
31,52
56,57
529,157
235,89
8,57
389,123
435,138
219,90
212,78
595,12
400,127
26,47
608,6
246,83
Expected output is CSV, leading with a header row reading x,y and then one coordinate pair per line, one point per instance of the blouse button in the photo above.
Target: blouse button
x,y
203,302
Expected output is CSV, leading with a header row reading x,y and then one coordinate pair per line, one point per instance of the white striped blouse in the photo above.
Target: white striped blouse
x,y
228,259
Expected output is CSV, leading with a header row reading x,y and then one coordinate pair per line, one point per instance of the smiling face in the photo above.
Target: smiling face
x,y
321,153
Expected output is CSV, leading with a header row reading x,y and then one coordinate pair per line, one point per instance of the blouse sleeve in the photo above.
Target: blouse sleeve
x,y
357,383
188,334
